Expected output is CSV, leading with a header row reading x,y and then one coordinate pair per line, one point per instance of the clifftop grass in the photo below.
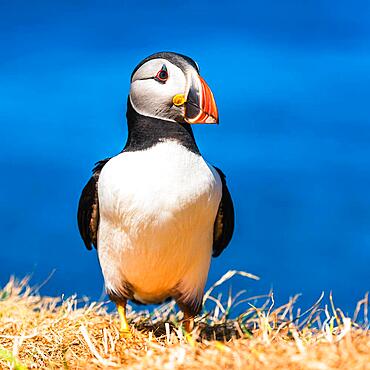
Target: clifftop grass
x,y
46,332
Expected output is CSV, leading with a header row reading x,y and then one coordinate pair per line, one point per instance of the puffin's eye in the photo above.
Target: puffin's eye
x,y
162,75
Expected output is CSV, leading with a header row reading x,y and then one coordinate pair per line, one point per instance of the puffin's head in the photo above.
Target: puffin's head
x,y
168,86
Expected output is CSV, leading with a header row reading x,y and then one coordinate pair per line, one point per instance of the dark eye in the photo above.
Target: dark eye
x,y
162,75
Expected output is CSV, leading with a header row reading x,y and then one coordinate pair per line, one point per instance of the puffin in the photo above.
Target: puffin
x,y
158,211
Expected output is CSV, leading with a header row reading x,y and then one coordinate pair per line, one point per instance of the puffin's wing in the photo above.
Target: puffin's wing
x,y
224,223
88,208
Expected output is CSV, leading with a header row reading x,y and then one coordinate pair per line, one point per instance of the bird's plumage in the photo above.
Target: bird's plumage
x,y
157,211
180,60
156,225
140,138
224,223
88,208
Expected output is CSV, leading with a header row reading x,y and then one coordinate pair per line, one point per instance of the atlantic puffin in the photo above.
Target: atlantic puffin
x,y
157,212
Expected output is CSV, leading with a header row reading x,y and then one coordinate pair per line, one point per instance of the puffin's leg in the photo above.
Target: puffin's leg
x,y
188,321
124,327
190,308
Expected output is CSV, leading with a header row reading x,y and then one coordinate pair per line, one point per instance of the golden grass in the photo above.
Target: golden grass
x,y
44,332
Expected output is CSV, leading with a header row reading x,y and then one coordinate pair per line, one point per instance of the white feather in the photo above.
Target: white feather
x,y
157,211
154,99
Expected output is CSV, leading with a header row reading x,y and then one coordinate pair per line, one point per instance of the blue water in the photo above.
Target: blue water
x,y
292,83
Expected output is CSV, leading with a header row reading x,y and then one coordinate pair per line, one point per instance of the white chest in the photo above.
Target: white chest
x,y
165,178
157,210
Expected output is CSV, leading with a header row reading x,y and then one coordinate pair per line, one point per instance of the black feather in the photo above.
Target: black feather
x,y
224,223
179,60
88,208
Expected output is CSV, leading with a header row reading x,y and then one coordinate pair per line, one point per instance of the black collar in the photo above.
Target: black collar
x,y
145,132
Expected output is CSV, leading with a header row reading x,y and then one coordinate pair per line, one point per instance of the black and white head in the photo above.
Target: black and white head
x,y
168,86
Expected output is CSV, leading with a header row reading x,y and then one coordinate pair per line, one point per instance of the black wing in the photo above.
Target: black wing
x,y
88,208
224,222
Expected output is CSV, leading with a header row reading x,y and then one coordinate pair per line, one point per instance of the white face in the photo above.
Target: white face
x,y
153,97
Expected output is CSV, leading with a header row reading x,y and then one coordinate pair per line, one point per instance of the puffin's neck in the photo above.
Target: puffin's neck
x,y
145,132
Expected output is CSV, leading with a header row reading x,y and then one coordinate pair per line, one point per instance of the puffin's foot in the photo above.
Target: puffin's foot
x,y
125,334
124,330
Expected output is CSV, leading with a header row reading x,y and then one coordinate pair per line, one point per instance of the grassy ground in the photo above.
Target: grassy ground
x,y
44,332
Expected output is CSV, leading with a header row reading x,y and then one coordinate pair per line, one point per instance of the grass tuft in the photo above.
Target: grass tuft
x,y
46,332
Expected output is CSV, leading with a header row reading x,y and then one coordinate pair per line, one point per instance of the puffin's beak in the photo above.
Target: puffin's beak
x,y
200,105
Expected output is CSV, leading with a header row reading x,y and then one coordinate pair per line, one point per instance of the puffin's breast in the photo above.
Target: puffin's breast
x,y
166,177
157,210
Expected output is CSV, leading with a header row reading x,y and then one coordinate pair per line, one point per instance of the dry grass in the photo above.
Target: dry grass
x,y
43,332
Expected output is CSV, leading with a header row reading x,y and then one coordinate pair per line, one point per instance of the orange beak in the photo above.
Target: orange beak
x,y
200,106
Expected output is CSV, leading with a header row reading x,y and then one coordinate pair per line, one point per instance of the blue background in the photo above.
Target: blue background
x,y
292,83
